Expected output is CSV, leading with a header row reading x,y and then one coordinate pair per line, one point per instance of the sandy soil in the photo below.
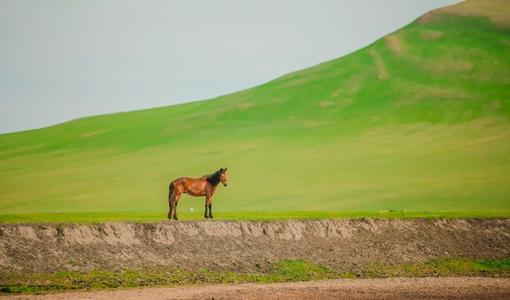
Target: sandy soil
x,y
394,288
344,245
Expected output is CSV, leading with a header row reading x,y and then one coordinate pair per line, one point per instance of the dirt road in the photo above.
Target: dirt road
x,y
393,288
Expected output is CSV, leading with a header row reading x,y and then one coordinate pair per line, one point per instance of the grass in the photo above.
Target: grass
x,y
242,216
432,134
283,271
442,267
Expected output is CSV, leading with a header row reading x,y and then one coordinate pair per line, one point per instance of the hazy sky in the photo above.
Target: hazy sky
x,y
61,60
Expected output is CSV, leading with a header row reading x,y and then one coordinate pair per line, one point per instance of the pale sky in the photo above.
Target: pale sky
x,y
61,60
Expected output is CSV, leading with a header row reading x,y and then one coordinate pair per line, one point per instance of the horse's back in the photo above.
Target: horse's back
x,y
187,180
176,181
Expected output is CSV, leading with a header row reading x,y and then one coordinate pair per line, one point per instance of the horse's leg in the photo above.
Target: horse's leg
x,y
205,213
176,200
170,209
208,205
170,201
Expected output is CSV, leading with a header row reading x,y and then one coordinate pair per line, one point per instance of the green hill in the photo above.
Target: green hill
x,y
418,121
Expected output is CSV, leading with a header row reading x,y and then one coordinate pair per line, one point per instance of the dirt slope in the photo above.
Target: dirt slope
x,y
246,246
392,288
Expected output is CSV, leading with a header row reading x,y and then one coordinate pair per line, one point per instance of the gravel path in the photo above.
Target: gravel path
x,y
393,288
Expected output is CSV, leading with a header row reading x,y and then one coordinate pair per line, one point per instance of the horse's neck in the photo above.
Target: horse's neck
x,y
213,179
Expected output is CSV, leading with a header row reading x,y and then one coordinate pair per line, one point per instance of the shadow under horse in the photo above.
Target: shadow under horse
x,y
198,187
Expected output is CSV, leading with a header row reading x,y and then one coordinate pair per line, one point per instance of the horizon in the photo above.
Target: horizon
x,y
72,60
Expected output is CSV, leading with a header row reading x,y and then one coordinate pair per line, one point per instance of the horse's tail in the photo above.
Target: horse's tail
x,y
170,199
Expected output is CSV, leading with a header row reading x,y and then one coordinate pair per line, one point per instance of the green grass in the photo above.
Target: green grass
x,y
283,271
85,218
442,267
418,121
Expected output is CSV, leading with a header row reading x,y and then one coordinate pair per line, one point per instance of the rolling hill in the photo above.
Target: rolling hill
x,y
417,121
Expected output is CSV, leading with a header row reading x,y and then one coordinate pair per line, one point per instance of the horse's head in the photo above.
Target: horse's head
x,y
223,176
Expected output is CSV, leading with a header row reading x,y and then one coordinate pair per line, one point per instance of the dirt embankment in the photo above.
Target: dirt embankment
x,y
246,246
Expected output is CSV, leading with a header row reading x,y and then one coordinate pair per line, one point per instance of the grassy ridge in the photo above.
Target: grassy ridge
x,y
417,121
283,271
86,218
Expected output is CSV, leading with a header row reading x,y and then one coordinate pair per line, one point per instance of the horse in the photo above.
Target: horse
x,y
202,186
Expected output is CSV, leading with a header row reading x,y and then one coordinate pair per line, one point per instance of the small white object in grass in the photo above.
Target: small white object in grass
x,y
191,209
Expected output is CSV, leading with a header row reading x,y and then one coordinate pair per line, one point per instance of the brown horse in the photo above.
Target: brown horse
x,y
203,186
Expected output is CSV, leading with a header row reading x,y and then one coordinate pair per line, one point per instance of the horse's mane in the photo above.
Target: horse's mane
x,y
214,178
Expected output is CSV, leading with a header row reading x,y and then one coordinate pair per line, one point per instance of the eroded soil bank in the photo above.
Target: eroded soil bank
x,y
247,246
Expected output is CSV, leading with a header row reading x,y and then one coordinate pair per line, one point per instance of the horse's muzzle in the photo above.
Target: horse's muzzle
x,y
225,184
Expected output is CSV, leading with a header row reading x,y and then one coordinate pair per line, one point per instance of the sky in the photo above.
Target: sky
x,y
61,60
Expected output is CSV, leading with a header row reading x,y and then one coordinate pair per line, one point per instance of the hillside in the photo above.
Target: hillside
x,y
416,121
